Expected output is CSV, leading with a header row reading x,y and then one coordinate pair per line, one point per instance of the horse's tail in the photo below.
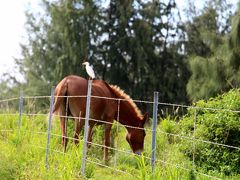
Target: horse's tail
x,y
60,92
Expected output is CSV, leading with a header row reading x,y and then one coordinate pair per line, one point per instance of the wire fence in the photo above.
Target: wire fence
x,y
27,108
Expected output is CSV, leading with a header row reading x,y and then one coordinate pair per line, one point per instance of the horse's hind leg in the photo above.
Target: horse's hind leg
x,y
90,133
78,126
63,122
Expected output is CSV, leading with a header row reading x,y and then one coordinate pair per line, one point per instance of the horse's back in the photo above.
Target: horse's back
x,y
77,86
73,86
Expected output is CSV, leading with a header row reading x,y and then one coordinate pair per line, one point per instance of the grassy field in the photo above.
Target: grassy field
x,y
23,157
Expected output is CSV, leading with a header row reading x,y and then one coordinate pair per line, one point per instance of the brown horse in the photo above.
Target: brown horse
x,y
103,109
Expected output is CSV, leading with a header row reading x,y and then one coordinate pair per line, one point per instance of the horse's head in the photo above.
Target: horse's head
x,y
135,136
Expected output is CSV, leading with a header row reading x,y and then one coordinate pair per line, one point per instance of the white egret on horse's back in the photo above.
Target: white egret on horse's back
x,y
89,70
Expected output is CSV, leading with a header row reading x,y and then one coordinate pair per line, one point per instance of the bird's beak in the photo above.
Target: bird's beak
x,y
84,63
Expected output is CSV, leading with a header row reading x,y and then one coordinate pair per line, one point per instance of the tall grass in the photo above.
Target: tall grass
x,y
24,156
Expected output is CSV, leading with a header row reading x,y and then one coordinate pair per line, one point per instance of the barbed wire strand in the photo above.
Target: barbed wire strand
x,y
90,161
122,99
114,169
10,99
8,114
122,151
159,131
171,134
142,101
169,104
146,157
6,130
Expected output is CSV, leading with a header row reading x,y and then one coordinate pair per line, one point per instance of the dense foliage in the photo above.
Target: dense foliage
x,y
216,120
133,44
212,50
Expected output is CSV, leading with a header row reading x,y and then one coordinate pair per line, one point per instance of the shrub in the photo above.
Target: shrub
x,y
168,125
216,120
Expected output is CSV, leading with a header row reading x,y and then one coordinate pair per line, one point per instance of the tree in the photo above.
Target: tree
x,y
138,53
58,42
233,63
208,52
130,43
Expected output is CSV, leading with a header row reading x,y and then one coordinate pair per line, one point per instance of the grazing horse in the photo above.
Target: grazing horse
x,y
70,100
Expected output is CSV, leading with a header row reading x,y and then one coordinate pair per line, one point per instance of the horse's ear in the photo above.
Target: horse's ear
x,y
145,117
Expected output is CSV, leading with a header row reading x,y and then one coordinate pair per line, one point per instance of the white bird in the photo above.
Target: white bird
x,y
89,70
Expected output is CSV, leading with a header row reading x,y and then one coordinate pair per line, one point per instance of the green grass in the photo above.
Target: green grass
x,y
24,156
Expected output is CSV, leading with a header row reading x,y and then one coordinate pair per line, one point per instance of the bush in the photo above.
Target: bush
x,y
168,125
216,120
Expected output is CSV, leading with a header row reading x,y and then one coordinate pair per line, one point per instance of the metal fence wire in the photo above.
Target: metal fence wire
x,y
9,111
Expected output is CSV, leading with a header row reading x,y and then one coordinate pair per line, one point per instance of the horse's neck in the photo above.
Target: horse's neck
x,y
128,117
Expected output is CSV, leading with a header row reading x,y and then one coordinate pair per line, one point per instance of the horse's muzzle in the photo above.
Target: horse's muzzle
x,y
138,152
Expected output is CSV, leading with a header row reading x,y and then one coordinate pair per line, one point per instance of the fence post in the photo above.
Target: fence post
x,y
194,133
84,152
118,111
154,126
20,113
49,125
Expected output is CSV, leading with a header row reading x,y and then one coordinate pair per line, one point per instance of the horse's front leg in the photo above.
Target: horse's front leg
x,y
63,123
107,140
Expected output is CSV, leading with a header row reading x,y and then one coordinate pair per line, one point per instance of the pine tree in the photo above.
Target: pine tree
x,y
208,52
133,44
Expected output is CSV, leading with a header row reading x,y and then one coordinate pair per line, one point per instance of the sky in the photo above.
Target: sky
x,y
12,31
11,19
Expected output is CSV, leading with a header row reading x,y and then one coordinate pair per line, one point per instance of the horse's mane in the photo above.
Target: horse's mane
x,y
121,94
